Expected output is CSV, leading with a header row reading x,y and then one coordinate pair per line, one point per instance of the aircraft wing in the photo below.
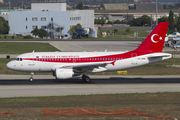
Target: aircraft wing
x,y
86,65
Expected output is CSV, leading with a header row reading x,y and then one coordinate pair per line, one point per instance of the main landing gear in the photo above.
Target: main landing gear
x,y
31,78
86,78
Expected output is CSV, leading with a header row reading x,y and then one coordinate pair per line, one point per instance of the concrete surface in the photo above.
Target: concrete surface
x,y
46,85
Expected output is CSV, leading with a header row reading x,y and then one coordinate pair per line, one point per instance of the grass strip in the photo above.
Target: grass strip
x,y
24,47
158,104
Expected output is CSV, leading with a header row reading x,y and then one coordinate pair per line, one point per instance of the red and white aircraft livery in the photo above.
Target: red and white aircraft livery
x,y
66,65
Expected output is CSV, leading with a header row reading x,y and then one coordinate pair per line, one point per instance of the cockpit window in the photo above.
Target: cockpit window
x,y
18,59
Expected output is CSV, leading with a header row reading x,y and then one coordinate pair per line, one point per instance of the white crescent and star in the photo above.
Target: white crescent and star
x,y
152,38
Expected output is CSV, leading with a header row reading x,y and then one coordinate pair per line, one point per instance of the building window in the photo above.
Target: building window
x,y
75,18
33,27
43,27
34,19
51,19
26,19
43,19
26,27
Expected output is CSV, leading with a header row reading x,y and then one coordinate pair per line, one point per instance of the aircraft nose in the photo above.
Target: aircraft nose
x,y
9,65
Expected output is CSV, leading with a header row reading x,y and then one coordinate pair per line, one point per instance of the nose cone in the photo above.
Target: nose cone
x,y
9,65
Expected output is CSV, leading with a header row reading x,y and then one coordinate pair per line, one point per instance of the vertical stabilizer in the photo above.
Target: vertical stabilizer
x,y
155,40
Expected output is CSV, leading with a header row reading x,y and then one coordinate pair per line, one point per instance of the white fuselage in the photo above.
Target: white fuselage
x,y
49,61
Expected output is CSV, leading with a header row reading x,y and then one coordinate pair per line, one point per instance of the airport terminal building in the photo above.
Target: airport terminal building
x,y
53,17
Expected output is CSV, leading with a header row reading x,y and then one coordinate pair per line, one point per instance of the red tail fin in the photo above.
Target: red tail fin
x,y
155,40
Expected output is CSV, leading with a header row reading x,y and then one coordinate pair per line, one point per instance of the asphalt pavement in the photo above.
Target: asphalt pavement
x,y
46,85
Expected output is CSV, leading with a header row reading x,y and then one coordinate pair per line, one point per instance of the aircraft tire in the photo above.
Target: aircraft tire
x,y
31,79
85,78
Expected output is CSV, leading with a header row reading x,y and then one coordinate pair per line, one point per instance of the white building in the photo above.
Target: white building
x,y
53,17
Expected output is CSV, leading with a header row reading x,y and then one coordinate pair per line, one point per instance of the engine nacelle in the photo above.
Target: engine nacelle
x,y
64,73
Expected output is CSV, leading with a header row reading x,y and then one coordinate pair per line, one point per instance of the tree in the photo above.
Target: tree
x,y
72,29
78,26
43,33
163,19
178,24
99,21
4,27
80,6
171,21
145,20
109,22
117,22
35,31
40,32
115,31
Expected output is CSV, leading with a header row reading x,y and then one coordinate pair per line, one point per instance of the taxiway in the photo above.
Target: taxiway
x,y
47,85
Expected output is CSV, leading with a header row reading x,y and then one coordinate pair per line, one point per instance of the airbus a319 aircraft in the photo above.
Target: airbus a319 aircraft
x,y
65,65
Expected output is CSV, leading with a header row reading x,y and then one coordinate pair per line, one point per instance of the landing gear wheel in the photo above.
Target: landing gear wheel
x,y
83,77
31,79
86,78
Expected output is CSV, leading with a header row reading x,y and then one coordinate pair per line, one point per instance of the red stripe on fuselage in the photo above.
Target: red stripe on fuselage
x,y
123,56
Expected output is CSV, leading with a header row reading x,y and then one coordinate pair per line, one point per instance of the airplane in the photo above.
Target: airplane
x,y
65,65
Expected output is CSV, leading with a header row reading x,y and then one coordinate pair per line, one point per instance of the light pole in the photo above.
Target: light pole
x,y
9,4
156,12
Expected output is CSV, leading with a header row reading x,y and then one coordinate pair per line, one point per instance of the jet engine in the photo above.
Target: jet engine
x,y
64,73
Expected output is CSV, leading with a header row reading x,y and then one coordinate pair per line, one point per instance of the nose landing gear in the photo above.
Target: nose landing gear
x,y
31,78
